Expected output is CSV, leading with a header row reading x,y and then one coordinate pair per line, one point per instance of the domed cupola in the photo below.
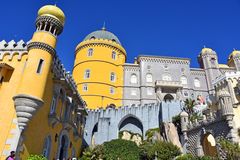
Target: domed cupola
x,y
102,34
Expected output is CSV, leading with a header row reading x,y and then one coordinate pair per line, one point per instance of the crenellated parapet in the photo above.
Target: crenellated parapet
x,y
12,48
164,59
131,67
197,72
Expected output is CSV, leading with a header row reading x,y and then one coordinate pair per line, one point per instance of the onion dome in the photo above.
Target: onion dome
x,y
52,11
102,34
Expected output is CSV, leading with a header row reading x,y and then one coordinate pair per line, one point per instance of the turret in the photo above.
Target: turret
x,y
234,60
208,60
41,51
98,69
228,113
184,123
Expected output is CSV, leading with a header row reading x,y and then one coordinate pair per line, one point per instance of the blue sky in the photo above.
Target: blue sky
x,y
156,27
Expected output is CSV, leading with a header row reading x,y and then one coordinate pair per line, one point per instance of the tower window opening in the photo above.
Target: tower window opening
x,y
52,30
90,52
112,77
133,79
114,55
85,87
47,27
53,105
92,37
113,40
40,65
149,78
87,74
197,83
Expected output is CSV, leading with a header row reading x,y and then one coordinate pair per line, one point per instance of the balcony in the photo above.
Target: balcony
x,y
172,84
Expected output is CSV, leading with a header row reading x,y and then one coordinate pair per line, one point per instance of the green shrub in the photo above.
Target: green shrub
x,y
121,149
36,157
160,149
190,157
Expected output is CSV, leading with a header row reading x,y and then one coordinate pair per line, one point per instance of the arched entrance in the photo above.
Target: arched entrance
x,y
131,128
168,98
94,131
63,147
209,145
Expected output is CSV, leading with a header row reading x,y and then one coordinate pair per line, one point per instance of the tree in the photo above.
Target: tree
x,y
188,106
160,150
232,149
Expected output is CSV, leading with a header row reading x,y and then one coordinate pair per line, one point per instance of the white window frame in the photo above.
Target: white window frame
x,y
112,77
87,74
133,79
114,55
149,78
184,80
85,87
197,83
90,52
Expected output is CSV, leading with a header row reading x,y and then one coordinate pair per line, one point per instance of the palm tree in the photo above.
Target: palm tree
x,y
188,106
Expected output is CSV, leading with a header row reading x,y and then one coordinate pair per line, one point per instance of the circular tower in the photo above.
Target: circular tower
x,y
41,51
98,69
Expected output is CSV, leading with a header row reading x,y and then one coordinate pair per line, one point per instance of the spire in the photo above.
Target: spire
x,y
104,28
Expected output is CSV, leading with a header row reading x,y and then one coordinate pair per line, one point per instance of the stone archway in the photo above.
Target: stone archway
x,y
209,145
168,98
63,144
132,129
94,131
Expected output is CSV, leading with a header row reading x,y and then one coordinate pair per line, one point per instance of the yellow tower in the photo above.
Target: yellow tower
x,y
98,69
41,51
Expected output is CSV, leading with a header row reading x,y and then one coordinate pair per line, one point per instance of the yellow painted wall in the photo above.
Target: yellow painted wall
x,y
100,65
7,91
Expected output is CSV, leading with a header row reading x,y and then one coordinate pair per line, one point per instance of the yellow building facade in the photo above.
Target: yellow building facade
x,y
41,110
98,69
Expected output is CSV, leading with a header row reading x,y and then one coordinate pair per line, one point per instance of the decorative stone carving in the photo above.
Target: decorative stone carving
x,y
43,46
26,106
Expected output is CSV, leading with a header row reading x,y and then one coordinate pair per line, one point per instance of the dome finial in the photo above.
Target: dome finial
x,y
104,27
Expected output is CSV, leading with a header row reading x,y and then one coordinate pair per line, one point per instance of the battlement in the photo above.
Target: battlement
x,y
12,48
60,73
226,76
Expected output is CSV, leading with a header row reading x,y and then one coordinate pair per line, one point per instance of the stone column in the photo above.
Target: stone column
x,y
159,94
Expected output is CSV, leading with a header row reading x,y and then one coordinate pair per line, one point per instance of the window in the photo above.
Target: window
x,y
183,80
167,78
47,147
114,55
112,77
133,79
111,90
53,105
1,79
185,94
90,52
197,82
87,74
40,65
149,78
85,87
133,92
149,91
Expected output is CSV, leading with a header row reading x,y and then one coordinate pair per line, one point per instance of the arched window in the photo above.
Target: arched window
x,y
183,80
90,52
47,147
197,83
87,74
166,77
112,77
53,105
114,55
149,78
85,87
133,79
